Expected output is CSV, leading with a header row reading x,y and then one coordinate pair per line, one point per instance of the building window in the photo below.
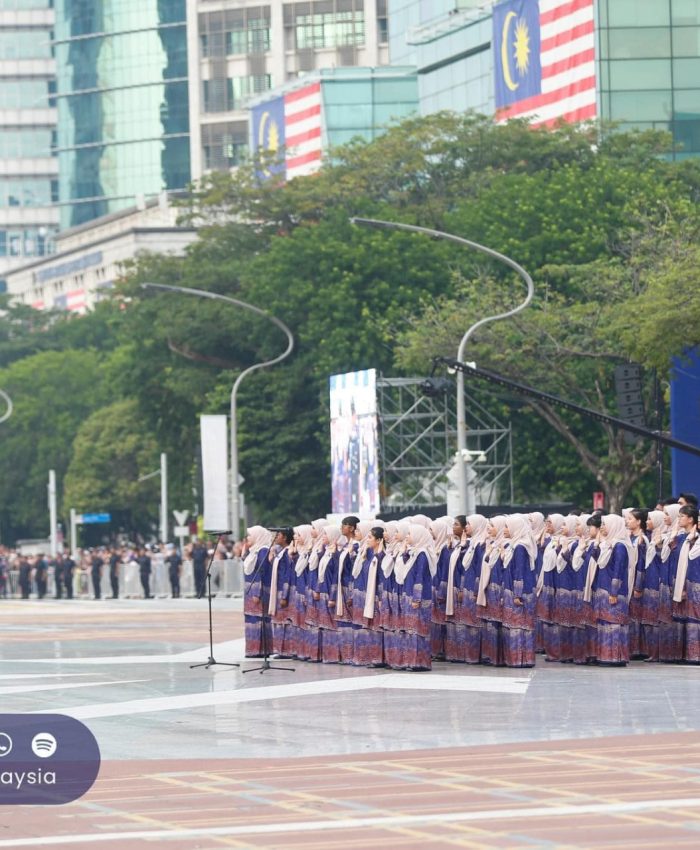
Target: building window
x,y
254,38
329,29
225,145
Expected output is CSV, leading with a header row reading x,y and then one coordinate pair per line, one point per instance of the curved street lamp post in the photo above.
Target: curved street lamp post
x,y
235,495
8,402
463,454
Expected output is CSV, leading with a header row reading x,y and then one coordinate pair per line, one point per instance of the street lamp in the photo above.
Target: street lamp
x,y
235,497
8,401
462,452
163,472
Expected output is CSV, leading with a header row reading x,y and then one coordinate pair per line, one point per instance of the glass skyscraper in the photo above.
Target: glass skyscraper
x,y
647,60
123,115
650,67
28,170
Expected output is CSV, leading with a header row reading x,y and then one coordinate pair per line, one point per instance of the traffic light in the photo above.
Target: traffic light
x,y
628,389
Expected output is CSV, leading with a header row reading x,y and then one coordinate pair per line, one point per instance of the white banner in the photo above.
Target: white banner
x,y
214,434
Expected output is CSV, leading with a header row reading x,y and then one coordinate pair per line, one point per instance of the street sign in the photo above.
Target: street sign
x,y
93,519
182,531
181,516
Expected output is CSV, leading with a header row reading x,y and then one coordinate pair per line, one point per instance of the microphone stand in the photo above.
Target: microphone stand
x,y
266,654
211,661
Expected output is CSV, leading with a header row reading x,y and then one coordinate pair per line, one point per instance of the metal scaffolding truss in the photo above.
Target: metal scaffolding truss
x,y
418,442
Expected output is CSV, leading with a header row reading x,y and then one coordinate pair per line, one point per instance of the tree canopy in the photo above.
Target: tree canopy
x,y
607,227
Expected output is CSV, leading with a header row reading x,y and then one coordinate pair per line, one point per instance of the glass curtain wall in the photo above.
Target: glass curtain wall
x,y
28,185
650,67
123,124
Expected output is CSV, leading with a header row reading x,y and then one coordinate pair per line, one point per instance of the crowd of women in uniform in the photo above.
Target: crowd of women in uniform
x,y
583,588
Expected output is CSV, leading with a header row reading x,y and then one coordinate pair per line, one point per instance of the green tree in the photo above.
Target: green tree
x,y
577,230
566,204
111,451
52,393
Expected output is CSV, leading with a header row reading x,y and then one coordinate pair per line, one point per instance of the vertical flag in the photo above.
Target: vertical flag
x,y
75,301
215,478
267,129
544,60
302,130
291,122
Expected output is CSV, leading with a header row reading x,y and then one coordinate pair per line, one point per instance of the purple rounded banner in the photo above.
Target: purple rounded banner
x,y
45,759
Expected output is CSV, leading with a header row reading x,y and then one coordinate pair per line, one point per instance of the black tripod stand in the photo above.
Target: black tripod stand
x,y
211,661
265,618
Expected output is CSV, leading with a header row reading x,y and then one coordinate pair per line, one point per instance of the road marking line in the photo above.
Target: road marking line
x,y
391,822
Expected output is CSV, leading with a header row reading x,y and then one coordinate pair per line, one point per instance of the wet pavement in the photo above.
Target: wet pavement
x,y
557,756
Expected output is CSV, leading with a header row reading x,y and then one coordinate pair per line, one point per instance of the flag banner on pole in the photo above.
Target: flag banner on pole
x,y
302,130
544,60
292,122
215,479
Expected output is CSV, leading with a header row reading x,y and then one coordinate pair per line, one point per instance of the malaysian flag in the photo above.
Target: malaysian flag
x,y
293,122
75,301
302,130
544,60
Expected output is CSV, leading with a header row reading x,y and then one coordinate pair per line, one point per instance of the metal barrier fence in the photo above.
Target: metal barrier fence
x,y
226,579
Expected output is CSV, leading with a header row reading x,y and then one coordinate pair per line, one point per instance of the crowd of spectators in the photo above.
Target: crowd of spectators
x,y
120,570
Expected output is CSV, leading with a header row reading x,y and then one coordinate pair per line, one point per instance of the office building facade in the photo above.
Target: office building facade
x,y
239,50
28,168
646,54
91,257
297,126
123,113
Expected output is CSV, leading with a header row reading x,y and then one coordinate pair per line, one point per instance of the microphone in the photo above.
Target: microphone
x,y
218,533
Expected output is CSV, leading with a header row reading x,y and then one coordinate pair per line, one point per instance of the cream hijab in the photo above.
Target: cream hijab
x,y
549,558
390,534
490,557
520,531
566,538
303,547
480,532
672,511
332,534
690,550
583,542
618,533
420,540
658,521
259,538
441,531
537,524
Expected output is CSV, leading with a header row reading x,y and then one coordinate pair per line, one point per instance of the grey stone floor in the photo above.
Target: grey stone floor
x,y
141,699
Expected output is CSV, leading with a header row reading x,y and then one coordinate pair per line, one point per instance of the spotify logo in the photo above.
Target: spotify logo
x,y
44,745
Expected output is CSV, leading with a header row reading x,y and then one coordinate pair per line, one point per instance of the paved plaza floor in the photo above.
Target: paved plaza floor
x,y
336,757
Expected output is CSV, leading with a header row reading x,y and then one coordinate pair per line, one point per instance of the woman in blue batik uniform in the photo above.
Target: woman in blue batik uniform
x,y
647,590
463,626
256,571
282,583
610,591
518,607
366,596
441,530
414,590
636,521
546,589
490,595
686,588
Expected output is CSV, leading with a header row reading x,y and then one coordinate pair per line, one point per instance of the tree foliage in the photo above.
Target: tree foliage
x,y
606,226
